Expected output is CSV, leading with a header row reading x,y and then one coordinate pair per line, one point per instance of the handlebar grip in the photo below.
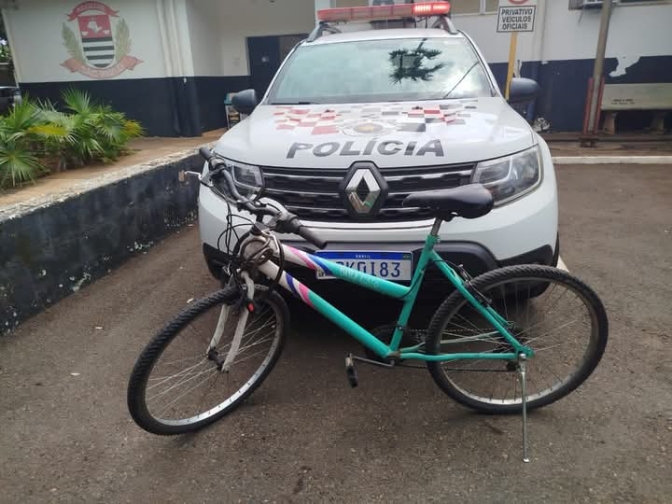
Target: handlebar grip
x,y
206,153
309,235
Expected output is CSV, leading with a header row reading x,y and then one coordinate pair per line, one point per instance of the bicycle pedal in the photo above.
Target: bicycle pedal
x,y
350,371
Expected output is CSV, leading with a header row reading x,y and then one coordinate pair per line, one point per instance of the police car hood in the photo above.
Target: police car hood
x,y
390,134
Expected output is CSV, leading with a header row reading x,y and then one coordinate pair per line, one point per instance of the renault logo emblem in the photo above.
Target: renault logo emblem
x,y
363,190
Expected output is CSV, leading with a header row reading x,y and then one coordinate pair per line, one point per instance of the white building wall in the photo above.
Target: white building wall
x,y
251,18
208,37
205,35
635,30
35,30
179,35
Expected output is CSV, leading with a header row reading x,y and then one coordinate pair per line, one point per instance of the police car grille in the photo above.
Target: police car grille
x,y
314,194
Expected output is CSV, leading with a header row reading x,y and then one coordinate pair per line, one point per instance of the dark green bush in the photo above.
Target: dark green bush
x,y
36,138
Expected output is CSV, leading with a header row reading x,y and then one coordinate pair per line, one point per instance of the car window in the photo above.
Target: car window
x,y
381,70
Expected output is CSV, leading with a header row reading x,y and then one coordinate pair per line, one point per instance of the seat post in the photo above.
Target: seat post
x,y
436,227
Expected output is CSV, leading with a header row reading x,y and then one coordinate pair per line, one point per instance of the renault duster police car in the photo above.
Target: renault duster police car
x,y
378,103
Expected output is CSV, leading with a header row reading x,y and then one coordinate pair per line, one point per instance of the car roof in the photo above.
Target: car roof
x,y
392,33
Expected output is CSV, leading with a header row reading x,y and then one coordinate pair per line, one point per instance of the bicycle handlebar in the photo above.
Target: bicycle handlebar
x,y
205,153
286,222
310,236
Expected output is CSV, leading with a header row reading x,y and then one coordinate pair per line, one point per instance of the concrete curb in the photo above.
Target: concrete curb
x,y
594,160
53,245
16,210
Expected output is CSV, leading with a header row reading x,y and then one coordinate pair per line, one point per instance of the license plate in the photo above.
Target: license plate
x,y
395,266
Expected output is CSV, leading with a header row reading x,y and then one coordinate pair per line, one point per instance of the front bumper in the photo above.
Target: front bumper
x,y
523,231
520,227
475,258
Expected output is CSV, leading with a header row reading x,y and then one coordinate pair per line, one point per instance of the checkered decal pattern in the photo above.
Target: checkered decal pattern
x,y
403,118
319,123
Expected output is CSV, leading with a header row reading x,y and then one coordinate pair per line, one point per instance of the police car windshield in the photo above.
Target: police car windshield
x,y
381,70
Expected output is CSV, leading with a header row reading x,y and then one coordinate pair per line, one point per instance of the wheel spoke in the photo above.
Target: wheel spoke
x,y
559,327
187,391
184,388
183,381
181,374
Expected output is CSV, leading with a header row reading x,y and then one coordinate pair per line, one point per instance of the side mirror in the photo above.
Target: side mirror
x,y
245,101
523,90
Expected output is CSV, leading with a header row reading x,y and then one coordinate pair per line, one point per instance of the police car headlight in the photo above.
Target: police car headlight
x,y
510,177
249,179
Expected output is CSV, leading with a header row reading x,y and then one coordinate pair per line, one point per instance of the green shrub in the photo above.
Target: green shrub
x,y
36,138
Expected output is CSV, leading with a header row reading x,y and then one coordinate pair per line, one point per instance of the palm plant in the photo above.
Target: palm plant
x,y
18,161
35,137
99,134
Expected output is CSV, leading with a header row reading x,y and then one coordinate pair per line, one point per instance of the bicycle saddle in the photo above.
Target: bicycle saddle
x,y
468,201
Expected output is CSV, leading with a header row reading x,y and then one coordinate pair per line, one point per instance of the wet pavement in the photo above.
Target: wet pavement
x,y
305,436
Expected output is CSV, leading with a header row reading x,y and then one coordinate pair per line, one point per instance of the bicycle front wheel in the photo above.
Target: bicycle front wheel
x,y
566,326
178,386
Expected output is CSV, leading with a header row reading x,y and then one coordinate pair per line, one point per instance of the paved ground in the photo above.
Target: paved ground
x,y
615,148
305,436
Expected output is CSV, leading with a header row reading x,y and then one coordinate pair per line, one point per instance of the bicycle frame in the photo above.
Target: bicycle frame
x,y
393,290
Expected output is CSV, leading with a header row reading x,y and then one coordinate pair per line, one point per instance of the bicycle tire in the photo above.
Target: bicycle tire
x,y
145,363
450,308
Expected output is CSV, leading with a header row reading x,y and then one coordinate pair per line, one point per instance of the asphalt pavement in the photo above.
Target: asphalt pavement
x,y
305,436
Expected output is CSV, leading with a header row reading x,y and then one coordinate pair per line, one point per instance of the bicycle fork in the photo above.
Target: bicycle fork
x,y
240,329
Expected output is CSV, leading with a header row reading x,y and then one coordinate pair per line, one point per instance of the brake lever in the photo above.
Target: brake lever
x,y
184,174
203,179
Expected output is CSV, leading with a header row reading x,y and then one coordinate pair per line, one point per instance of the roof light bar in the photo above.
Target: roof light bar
x,y
380,12
431,9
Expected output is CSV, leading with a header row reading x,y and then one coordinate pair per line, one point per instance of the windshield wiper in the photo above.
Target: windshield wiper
x,y
460,81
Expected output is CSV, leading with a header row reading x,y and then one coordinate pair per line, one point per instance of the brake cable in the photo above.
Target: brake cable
x,y
257,208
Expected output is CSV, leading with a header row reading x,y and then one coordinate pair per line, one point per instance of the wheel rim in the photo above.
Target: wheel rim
x,y
549,324
186,387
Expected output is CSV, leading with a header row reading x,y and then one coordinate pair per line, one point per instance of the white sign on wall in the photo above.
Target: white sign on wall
x,y
516,15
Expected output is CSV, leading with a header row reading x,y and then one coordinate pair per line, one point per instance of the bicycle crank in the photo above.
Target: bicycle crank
x,y
384,333
351,372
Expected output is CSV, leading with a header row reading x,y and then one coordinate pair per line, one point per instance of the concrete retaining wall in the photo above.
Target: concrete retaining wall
x,y
52,247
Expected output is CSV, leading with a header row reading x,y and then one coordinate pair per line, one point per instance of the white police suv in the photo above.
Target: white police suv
x,y
379,103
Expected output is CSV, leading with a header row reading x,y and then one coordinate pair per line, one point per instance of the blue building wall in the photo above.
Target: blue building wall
x,y
564,84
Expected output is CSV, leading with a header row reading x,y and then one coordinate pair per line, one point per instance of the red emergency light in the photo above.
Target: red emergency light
x,y
380,12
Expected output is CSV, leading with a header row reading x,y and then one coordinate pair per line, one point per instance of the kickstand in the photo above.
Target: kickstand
x,y
522,372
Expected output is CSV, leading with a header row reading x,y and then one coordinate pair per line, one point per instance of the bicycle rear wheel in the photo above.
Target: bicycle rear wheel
x,y
177,386
566,326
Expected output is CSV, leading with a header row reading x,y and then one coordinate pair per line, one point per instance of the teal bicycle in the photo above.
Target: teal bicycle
x,y
508,341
